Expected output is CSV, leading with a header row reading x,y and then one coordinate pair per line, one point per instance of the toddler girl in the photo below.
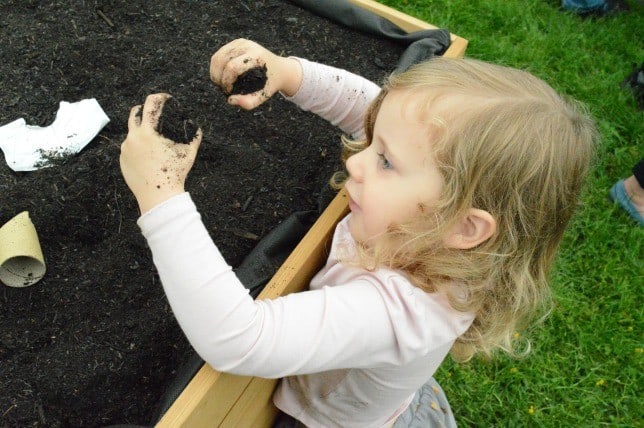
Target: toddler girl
x,y
462,177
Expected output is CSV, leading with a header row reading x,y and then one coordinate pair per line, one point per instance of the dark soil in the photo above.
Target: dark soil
x,y
251,81
174,123
95,343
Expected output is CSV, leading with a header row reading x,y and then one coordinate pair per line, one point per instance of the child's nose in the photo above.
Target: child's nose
x,y
354,166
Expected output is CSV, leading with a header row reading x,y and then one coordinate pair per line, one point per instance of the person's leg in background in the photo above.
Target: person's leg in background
x,y
594,7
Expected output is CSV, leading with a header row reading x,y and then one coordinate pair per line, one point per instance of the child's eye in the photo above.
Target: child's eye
x,y
384,161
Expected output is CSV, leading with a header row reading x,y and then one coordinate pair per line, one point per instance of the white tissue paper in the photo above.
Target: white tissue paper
x,y
27,148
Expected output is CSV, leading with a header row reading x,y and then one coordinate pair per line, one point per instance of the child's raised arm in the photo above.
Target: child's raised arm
x,y
336,95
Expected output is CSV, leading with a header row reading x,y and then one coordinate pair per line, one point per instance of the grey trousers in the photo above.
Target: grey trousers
x,y
428,409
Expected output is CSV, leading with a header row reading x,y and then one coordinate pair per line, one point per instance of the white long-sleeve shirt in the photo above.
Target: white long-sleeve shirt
x,y
353,349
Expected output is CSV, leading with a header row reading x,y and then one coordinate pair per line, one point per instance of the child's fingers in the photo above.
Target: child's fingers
x,y
223,55
236,67
152,108
249,101
134,119
196,141
217,63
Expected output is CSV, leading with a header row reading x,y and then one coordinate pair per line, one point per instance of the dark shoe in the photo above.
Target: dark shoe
x,y
635,81
616,6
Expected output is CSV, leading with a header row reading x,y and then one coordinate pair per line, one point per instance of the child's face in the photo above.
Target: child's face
x,y
396,175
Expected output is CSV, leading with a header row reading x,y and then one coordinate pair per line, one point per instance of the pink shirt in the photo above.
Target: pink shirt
x,y
352,350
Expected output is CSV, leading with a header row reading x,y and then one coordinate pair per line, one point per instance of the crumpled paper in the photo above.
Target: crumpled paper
x,y
27,148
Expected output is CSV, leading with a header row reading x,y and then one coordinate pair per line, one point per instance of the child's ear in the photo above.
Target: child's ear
x,y
476,227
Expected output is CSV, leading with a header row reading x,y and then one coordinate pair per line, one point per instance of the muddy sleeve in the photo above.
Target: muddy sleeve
x,y
336,95
354,325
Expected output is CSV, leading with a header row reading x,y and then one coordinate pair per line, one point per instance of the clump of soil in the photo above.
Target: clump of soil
x,y
95,342
250,81
175,124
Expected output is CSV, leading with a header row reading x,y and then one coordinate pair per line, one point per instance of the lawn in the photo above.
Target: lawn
x,y
585,368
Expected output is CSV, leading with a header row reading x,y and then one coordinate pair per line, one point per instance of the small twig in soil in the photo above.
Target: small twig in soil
x,y
245,234
41,414
114,348
105,18
75,30
247,203
13,406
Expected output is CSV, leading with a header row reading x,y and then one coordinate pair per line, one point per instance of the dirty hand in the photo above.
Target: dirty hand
x,y
154,168
235,58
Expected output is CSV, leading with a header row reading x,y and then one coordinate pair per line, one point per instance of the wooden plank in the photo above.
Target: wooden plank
x,y
410,24
214,399
208,397
266,415
404,21
250,409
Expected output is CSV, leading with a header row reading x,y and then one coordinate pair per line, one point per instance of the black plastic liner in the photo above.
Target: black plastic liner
x,y
421,45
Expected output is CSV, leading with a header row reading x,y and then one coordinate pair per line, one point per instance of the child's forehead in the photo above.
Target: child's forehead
x,y
408,119
432,108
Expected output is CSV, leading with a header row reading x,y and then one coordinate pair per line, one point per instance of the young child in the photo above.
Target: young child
x,y
462,177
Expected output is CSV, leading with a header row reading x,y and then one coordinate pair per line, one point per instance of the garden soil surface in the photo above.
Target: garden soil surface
x,y
94,342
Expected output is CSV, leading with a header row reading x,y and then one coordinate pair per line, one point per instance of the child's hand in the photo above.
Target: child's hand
x,y
154,167
241,55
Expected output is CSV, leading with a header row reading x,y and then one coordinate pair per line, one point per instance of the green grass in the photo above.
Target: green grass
x,y
586,366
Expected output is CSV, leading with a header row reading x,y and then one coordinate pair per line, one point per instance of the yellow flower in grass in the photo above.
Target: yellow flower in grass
x,y
514,370
531,410
600,382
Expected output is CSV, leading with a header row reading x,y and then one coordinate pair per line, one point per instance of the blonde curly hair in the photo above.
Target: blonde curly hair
x,y
506,143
